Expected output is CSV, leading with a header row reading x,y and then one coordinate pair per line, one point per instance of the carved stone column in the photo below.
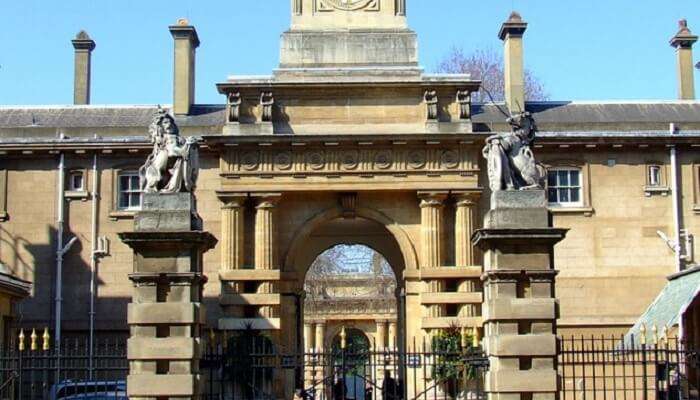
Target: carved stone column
x,y
320,336
520,310
465,224
432,230
166,314
265,233
232,233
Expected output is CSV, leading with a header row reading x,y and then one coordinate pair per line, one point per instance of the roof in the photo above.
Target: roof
x,y
550,116
100,116
668,307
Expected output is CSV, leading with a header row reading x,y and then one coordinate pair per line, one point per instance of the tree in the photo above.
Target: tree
x,y
487,65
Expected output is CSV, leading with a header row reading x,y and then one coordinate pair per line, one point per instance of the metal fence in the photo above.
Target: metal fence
x,y
31,368
618,368
262,372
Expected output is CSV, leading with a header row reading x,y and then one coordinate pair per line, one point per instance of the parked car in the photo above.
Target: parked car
x,y
89,390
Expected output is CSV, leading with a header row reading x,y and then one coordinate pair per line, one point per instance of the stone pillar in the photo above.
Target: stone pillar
x,y
83,46
320,336
520,310
432,230
381,335
232,233
265,233
683,42
165,316
308,337
392,335
465,223
512,36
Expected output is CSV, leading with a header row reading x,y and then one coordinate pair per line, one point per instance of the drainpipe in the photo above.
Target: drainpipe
x,y
61,250
676,198
93,262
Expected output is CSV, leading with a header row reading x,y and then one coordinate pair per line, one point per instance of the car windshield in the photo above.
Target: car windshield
x,y
92,391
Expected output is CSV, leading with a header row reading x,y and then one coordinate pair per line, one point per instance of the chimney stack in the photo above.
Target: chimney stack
x,y
512,36
683,42
186,43
83,46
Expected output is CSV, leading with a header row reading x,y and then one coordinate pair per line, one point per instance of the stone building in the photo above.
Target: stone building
x,y
349,141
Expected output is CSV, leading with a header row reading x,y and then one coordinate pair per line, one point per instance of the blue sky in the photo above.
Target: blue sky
x,y
581,50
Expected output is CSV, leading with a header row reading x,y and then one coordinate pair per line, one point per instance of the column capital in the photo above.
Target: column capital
x,y
432,199
233,200
266,200
465,199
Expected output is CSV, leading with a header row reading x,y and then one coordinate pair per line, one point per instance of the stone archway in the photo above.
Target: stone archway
x,y
350,286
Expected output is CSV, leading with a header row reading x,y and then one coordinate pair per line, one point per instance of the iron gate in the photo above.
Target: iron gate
x,y
375,374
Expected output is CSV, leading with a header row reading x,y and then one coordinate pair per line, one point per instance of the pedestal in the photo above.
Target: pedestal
x,y
520,309
166,314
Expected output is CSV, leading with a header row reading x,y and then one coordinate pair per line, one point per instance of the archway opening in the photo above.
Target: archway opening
x,y
350,288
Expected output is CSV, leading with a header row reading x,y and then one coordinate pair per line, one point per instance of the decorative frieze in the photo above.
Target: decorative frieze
x,y
387,160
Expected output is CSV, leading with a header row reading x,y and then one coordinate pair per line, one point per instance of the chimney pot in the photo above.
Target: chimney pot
x,y
83,46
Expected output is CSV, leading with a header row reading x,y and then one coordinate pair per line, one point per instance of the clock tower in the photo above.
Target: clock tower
x,y
342,34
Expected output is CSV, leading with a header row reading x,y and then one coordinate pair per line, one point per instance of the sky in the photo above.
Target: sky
x,y
580,50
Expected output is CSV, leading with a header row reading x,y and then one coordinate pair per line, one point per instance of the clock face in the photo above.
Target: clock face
x,y
347,5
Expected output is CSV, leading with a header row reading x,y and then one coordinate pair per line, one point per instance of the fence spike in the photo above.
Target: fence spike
x,y
655,334
46,346
32,344
20,338
643,334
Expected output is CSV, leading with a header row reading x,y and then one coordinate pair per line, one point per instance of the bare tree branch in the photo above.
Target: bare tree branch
x,y
487,65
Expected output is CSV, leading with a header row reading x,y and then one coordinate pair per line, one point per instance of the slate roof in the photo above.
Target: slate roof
x,y
588,112
100,116
558,114
668,307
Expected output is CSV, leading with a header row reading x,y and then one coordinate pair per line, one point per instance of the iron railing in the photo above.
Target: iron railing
x,y
31,369
593,368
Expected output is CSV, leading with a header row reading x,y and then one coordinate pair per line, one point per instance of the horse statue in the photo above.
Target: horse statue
x,y
511,162
173,165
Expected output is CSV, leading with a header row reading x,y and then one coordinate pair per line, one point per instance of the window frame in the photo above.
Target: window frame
x,y
569,204
585,208
660,188
130,191
116,211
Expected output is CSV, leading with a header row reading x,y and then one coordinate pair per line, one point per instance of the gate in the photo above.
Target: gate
x,y
611,368
375,374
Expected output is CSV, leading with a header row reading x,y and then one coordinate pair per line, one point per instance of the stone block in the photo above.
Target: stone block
x,y
319,49
513,381
517,209
165,313
171,348
162,385
520,309
522,345
166,212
